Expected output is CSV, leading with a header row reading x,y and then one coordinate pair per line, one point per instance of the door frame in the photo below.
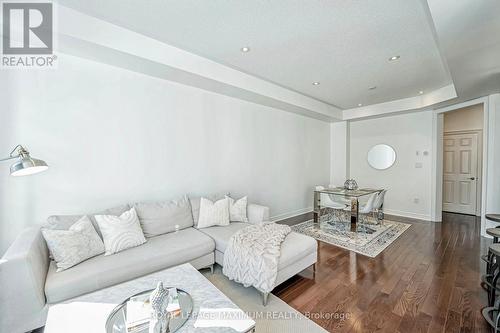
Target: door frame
x,y
480,162
437,157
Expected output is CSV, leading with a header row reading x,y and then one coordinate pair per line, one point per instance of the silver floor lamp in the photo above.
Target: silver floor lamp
x,y
25,165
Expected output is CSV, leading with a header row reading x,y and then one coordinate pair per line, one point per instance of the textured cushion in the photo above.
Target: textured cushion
x,y
159,218
72,246
294,247
158,253
195,204
120,232
213,213
64,222
238,209
221,235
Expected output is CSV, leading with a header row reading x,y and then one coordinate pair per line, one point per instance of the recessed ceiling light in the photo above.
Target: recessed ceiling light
x,y
372,88
394,58
315,83
420,92
245,49
360,104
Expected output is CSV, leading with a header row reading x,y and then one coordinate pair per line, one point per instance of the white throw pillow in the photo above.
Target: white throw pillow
x,y
213,213
120,232
70,247
195,204
238,209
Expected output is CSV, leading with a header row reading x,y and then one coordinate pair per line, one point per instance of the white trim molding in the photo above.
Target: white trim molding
x,y
291,214
491,177
425,217
415,103
437,157
280,217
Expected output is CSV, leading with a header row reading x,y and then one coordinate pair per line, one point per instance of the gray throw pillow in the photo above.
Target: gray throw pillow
x,y
159,218
64,222
70,247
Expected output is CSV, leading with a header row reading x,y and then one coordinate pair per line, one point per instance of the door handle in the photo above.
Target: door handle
x,y
472,178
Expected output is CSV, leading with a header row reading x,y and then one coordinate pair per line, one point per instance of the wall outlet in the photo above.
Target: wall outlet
x,y
416,200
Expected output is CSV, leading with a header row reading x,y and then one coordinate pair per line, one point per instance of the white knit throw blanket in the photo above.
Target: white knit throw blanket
x,y
252,255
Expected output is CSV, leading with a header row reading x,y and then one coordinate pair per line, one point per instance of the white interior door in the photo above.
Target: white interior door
x,y
460,164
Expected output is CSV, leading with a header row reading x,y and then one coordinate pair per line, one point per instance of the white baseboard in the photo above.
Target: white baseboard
x,y
291,214
408,214
387,211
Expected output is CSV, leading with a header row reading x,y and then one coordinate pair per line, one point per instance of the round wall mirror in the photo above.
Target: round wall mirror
x,y
381,157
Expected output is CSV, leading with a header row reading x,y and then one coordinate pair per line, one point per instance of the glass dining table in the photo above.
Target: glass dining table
x,y
351,196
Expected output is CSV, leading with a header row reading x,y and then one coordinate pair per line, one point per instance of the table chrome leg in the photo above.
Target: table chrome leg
x,y
354,214
380,214
317,207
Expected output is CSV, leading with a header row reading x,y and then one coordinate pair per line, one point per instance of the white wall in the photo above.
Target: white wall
x,y
112,136
407,134
493,165
467,118
339,161
437,167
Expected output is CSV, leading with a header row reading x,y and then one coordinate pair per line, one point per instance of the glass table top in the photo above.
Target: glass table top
x,y
119,322
349,193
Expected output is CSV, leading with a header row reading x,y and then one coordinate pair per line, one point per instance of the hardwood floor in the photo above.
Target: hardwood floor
x,y
428,280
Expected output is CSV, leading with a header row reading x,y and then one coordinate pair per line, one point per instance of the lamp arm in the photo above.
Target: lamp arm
x,y
9,158
20,151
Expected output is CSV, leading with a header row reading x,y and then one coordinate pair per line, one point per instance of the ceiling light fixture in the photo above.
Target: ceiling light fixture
x,y
315,83
245,49
393,58
421,92
360,104
372,88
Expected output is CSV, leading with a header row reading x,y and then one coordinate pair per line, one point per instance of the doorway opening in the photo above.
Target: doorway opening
x,y
462,165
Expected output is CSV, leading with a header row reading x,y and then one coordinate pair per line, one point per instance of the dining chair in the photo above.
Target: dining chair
x,y
367,209
378,205
328,201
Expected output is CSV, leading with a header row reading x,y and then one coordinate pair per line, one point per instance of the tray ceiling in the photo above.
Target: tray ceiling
x,y
343,45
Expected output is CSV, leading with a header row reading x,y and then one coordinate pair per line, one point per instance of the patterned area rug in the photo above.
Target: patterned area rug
x,y
369,241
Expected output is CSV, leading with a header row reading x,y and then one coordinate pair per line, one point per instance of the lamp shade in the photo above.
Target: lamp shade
x,y
27,166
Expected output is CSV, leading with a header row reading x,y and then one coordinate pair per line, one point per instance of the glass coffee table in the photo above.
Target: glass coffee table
x,y
212,311
117,320
352,197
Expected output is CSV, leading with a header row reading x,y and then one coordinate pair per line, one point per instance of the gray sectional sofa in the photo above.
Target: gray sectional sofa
x,y
30,283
